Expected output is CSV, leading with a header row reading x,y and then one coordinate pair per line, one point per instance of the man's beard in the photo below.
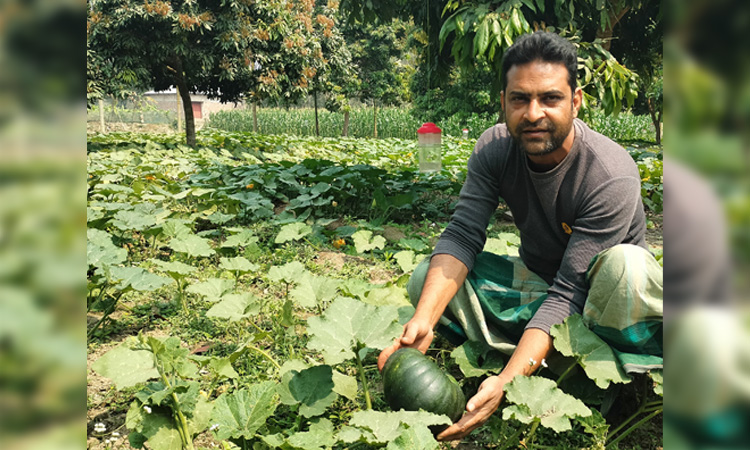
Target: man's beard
x,y
541,146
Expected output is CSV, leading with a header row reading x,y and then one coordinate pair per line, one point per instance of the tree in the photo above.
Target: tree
x,y
639,45
483,31
223,49
334,73
379,55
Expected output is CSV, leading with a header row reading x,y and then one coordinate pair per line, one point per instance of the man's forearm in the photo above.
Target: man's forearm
x,y
444,277
534,345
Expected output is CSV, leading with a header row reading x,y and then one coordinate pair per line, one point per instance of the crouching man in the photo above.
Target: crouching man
x,y
575,198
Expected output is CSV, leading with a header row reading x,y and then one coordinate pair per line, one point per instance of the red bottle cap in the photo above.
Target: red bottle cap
x,y
429,127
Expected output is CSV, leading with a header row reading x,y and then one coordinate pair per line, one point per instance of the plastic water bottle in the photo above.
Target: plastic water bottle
x,y
465,134
429,143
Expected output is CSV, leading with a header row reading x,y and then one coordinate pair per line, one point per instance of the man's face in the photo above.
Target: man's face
x,y
540,108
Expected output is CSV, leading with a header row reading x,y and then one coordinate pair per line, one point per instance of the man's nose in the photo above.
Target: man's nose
x,y
535,111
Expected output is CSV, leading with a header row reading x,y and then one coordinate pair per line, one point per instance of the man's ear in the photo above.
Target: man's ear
x,y
502,100
577,100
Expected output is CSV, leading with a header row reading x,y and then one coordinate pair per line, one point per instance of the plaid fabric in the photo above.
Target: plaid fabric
x,y
624,306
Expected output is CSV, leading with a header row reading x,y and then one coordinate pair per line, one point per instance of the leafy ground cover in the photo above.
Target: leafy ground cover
x,y
238,295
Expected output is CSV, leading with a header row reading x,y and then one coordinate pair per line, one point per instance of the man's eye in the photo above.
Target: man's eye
x,y
553,98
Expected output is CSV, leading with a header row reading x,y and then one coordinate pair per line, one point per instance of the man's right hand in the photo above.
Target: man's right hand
x,y
417,334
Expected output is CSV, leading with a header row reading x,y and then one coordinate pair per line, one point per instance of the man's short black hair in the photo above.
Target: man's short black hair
x,y
542,46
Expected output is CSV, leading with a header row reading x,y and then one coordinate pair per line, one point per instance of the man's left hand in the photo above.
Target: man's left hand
x,y
478,410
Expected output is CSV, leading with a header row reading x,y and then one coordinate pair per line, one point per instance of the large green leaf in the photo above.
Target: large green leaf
x,y
292,232
290,272
156,428
238,264
365,242
242,239
100,251
133,220
537,398
174,268
192,245
343,384
312,290
419,437
407,260
126,367
348,325
137,278
387,295
476,359
171,356
386,426
311,388
234,307
319,436
242,413
213,288
573,338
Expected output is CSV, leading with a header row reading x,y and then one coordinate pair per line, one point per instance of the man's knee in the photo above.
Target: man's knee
x,y
622,259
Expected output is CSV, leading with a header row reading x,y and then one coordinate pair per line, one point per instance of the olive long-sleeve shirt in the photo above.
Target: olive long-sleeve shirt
x,y
589,202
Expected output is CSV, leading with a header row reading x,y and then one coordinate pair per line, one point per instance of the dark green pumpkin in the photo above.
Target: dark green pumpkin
x,y
412,381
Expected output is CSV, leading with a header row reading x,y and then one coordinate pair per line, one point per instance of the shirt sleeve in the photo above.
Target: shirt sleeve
x,y
603,223
465,236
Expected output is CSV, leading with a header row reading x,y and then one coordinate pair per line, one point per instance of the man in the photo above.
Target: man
x,y
575,198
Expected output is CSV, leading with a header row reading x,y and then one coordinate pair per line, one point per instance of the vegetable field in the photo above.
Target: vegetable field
x,y
239,293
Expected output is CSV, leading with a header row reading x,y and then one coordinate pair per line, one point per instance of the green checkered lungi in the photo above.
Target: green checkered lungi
x,y
500,295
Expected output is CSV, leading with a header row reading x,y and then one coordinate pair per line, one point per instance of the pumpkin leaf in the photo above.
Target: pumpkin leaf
x,y
238,264
192,244
234,307
292,232
349,325
174,268
290,272
365,242
133,220
242,413
574,338
213,288
319,436
312,388
388,295
386,426
138,279
343,385
538,398
242,239
476,360
100,251
407,260
312,290
414,437
125,366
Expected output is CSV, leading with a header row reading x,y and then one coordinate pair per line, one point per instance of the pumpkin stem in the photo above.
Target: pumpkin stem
x,y
362,378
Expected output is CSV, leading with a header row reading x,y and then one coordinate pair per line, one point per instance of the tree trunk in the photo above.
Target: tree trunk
x,y
315,103
374,119
655,119
255,117
187,104
345,131
607,33
101,117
